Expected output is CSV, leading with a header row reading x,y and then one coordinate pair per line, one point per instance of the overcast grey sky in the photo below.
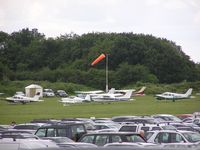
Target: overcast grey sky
x,y
176,20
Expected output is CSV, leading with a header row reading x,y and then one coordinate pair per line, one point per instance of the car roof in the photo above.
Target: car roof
x,y
185,131
61,125
113,133
14,131
171,131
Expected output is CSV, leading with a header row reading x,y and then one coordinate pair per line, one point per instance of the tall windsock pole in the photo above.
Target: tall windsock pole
x,y
102,56
106,72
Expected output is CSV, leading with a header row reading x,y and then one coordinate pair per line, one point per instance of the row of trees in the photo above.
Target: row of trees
x,y
28,55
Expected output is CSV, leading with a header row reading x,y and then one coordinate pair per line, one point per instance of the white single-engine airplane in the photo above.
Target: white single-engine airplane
x,y
23,99
170,95
75,99
113,97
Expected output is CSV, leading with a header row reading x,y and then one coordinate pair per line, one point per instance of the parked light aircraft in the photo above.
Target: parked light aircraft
x,y
75,99
23,99
83,94
140,92
170,95
112,91
113,97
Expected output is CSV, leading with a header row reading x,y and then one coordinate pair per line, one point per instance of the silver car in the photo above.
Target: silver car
x,y
170,136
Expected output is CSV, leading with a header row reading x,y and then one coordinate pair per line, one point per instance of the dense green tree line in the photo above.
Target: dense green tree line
x,y
29,55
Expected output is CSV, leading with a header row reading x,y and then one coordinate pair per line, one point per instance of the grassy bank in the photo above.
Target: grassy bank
x,y
51,108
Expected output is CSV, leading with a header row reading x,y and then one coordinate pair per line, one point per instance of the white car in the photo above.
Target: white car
x,y
131,145
48,92
10,144
170,136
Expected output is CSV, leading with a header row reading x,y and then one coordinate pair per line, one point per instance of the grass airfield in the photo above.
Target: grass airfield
x,y
51,108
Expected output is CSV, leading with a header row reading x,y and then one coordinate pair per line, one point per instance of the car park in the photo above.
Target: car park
x,y
100,139
71,130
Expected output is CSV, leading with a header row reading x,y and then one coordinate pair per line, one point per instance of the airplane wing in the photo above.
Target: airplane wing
x,y
89,92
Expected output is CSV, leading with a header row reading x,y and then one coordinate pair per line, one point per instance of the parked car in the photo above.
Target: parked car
x,y
17,134
20,93
72,130
121,119
100,139
45,121
25,144
144,120
77,145
3,128
131,145
31,127
48,92
61,93
99,126
183,116
197,121
145,127
129,128
170,136
167,117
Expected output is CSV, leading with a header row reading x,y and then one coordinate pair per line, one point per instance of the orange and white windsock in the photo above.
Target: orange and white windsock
x,y
98,59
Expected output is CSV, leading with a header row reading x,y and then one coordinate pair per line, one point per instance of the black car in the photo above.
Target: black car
x,y
61,93
101,139
72,130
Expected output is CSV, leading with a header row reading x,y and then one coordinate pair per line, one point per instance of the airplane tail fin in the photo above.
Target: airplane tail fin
x,y
37,96
88,98
141,91
128,94
111,91
189,92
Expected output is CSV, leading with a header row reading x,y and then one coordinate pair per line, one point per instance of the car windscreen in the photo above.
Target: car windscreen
x,y
134,138
28,127
147,135
128,129
192,137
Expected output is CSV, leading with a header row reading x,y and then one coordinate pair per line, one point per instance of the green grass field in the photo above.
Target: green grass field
x,y
51,108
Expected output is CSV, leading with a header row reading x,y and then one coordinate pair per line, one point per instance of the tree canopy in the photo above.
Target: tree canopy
x,y
29,55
